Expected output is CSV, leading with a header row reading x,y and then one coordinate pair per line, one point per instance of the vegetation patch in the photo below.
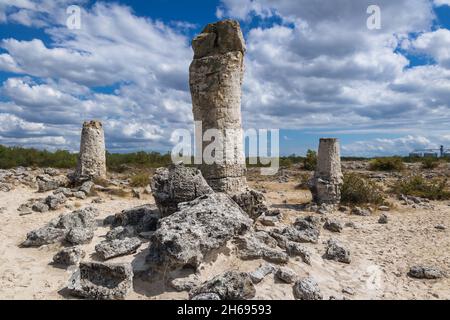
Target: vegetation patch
x,y
418,186
387,164
358,190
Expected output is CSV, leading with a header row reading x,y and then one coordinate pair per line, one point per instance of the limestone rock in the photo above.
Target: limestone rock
x,y
69,256
44,235
40,207
56,201
177,184
206,296
383,219
120,233
333,225
101,281
116,248
92,157
295,249
199,227
335,251
425,272
307,289
328,179
252,202
286,275
259,274
77,236
360,212
231,285
142,219
47,183
215,79
185,284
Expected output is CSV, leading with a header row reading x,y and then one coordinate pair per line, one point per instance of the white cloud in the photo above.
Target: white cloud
x,y
439,3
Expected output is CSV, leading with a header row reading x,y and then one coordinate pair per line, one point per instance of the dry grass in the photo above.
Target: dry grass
x,y
358,190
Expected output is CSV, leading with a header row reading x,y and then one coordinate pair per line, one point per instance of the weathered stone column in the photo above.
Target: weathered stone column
x,y
327,181
92,157
215,79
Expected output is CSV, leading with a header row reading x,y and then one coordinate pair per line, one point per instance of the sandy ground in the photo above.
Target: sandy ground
x,y
381,254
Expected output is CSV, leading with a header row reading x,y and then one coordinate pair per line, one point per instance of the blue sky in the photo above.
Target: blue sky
x,y
313,69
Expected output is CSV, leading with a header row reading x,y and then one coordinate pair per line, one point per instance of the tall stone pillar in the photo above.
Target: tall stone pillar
x,y
327,181
92,156
215,79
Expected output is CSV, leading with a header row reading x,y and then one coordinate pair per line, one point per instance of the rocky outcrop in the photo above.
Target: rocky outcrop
x,y
328,179
177,184
47,183
231,285
215,79
307,289
69,256
74,223
141,219
337,252
101,281
198,228
115,248
92,156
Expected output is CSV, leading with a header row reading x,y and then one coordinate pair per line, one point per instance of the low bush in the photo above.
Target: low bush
x,y
387,164
310,162
140,180
430,163
418,186
358,190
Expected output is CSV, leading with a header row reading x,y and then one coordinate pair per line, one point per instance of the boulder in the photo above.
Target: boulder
x,y
142,219
335,251
101,281
425,272
231,285
307,289
333,225
40,207
116,248
294,249
120,233
69,256
198,228
383,219
286,275
360,212
185,284
45,235
77,236
176,184
56,201
47,183
252,202
259,274
86,187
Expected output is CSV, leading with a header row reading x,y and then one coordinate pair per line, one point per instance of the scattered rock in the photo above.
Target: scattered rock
x,y
383,219
333,225
142,219
77,236
384,208
86,187
440,227
79,195
199,227
56,201
307,289
348,291
360,212
185,284
177,184
231,285
259,274
116,248
101,281
206,296
424,272
295,249
286,275
69,256
40,207
120,233
46,183
335,251
44,235
253,203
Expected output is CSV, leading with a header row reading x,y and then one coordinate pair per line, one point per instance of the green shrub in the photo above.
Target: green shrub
x,y
310,162
430,163
140,180
418,186
387,164
358,190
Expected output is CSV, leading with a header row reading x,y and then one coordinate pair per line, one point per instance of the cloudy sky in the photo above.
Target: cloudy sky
x,y
313,69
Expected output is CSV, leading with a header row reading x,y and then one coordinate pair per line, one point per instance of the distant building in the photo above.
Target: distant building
x,y
431,153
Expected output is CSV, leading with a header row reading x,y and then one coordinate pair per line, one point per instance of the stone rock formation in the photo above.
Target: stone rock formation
x,y
186,237
69,256
92,157
327,181
231,285
101,281
176,184
215,79
109,249
307,289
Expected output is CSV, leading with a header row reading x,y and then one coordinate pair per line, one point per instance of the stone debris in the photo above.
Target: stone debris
x,y
304,230
335,251
333,225
357,211
383,219
92,157
215,79
326,184
425,272
253,246
143,218
120,233
58,229
77,236
286,275
101,281
206,296
263,270
440,227
384,208
177,184
56,201
294,249
115,248
231,285
198,228
307,289
47,183
185,284
69,256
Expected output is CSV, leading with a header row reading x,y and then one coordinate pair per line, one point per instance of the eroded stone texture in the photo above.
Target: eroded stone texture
x,y
327,181
176,184
101,281
92,157
215,79
186,237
